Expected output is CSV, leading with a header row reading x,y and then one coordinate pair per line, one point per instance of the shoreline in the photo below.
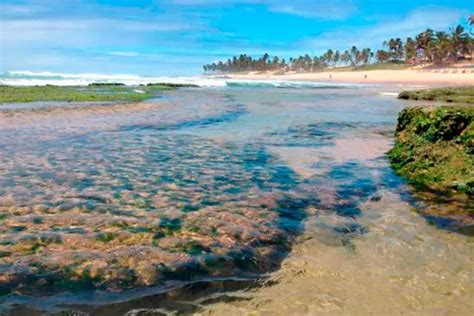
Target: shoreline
x,y
440,77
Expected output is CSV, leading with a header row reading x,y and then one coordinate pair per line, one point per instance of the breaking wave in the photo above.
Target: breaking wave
x,y
29,78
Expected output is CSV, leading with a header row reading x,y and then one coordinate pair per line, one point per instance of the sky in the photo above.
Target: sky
x,y
176,37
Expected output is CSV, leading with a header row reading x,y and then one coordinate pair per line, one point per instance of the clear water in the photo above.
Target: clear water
x,y
219,201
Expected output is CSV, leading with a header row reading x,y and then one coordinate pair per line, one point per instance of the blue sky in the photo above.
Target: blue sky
x,y
175,37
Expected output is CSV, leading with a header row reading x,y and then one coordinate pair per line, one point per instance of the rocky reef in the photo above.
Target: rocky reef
x,y
434,147
464,95
434,152
94,92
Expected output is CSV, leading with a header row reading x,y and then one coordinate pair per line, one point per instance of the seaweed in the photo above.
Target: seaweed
x,y
434,147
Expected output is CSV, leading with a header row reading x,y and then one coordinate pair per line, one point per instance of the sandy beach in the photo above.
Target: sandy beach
x,y
441,77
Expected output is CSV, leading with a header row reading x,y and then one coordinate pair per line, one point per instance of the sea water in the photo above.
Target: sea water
x,y
274,197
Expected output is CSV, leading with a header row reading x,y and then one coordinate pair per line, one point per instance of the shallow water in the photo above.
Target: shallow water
x,y
219,201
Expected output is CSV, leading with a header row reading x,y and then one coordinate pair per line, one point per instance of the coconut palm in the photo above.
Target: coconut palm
x,y
424,42
354,55
441,49
337,57
346,57
471,46
365,55
395,48
460,42
410,51
382,56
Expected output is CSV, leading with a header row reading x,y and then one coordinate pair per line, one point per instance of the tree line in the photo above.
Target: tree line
x,y
428,47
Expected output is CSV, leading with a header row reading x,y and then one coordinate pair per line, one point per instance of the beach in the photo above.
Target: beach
x,y
440,77
242,157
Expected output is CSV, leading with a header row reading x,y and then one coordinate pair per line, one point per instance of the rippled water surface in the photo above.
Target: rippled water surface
x,y
219,201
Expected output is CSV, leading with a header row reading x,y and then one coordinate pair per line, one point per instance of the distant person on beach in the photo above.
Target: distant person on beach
x,y
365,77
330,77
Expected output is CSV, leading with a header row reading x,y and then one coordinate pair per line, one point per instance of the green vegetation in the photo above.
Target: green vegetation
x,y
434,148
106,237
191,247
170,225
428,47
463,95
37,220
98,92
18,228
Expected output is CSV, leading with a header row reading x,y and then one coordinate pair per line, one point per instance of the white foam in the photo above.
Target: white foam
x,y
30,78
389,94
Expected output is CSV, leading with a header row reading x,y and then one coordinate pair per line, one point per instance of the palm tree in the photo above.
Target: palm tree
x,y
410,51
390,44
471,23
399,49
315,65
276,62
471,46
395,48
307,62
365,55
354,55
460,42
262,63
424,43
382,56
337,57
330,55
443,48
346,57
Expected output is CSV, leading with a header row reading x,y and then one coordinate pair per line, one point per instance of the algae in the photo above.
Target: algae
x,y
463,95
98,92
434,148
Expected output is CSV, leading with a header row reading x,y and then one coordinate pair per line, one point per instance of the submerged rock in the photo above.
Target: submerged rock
x,y
167,209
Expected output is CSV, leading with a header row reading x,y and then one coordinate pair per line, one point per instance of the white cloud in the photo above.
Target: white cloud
x,y
82,31
416,21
